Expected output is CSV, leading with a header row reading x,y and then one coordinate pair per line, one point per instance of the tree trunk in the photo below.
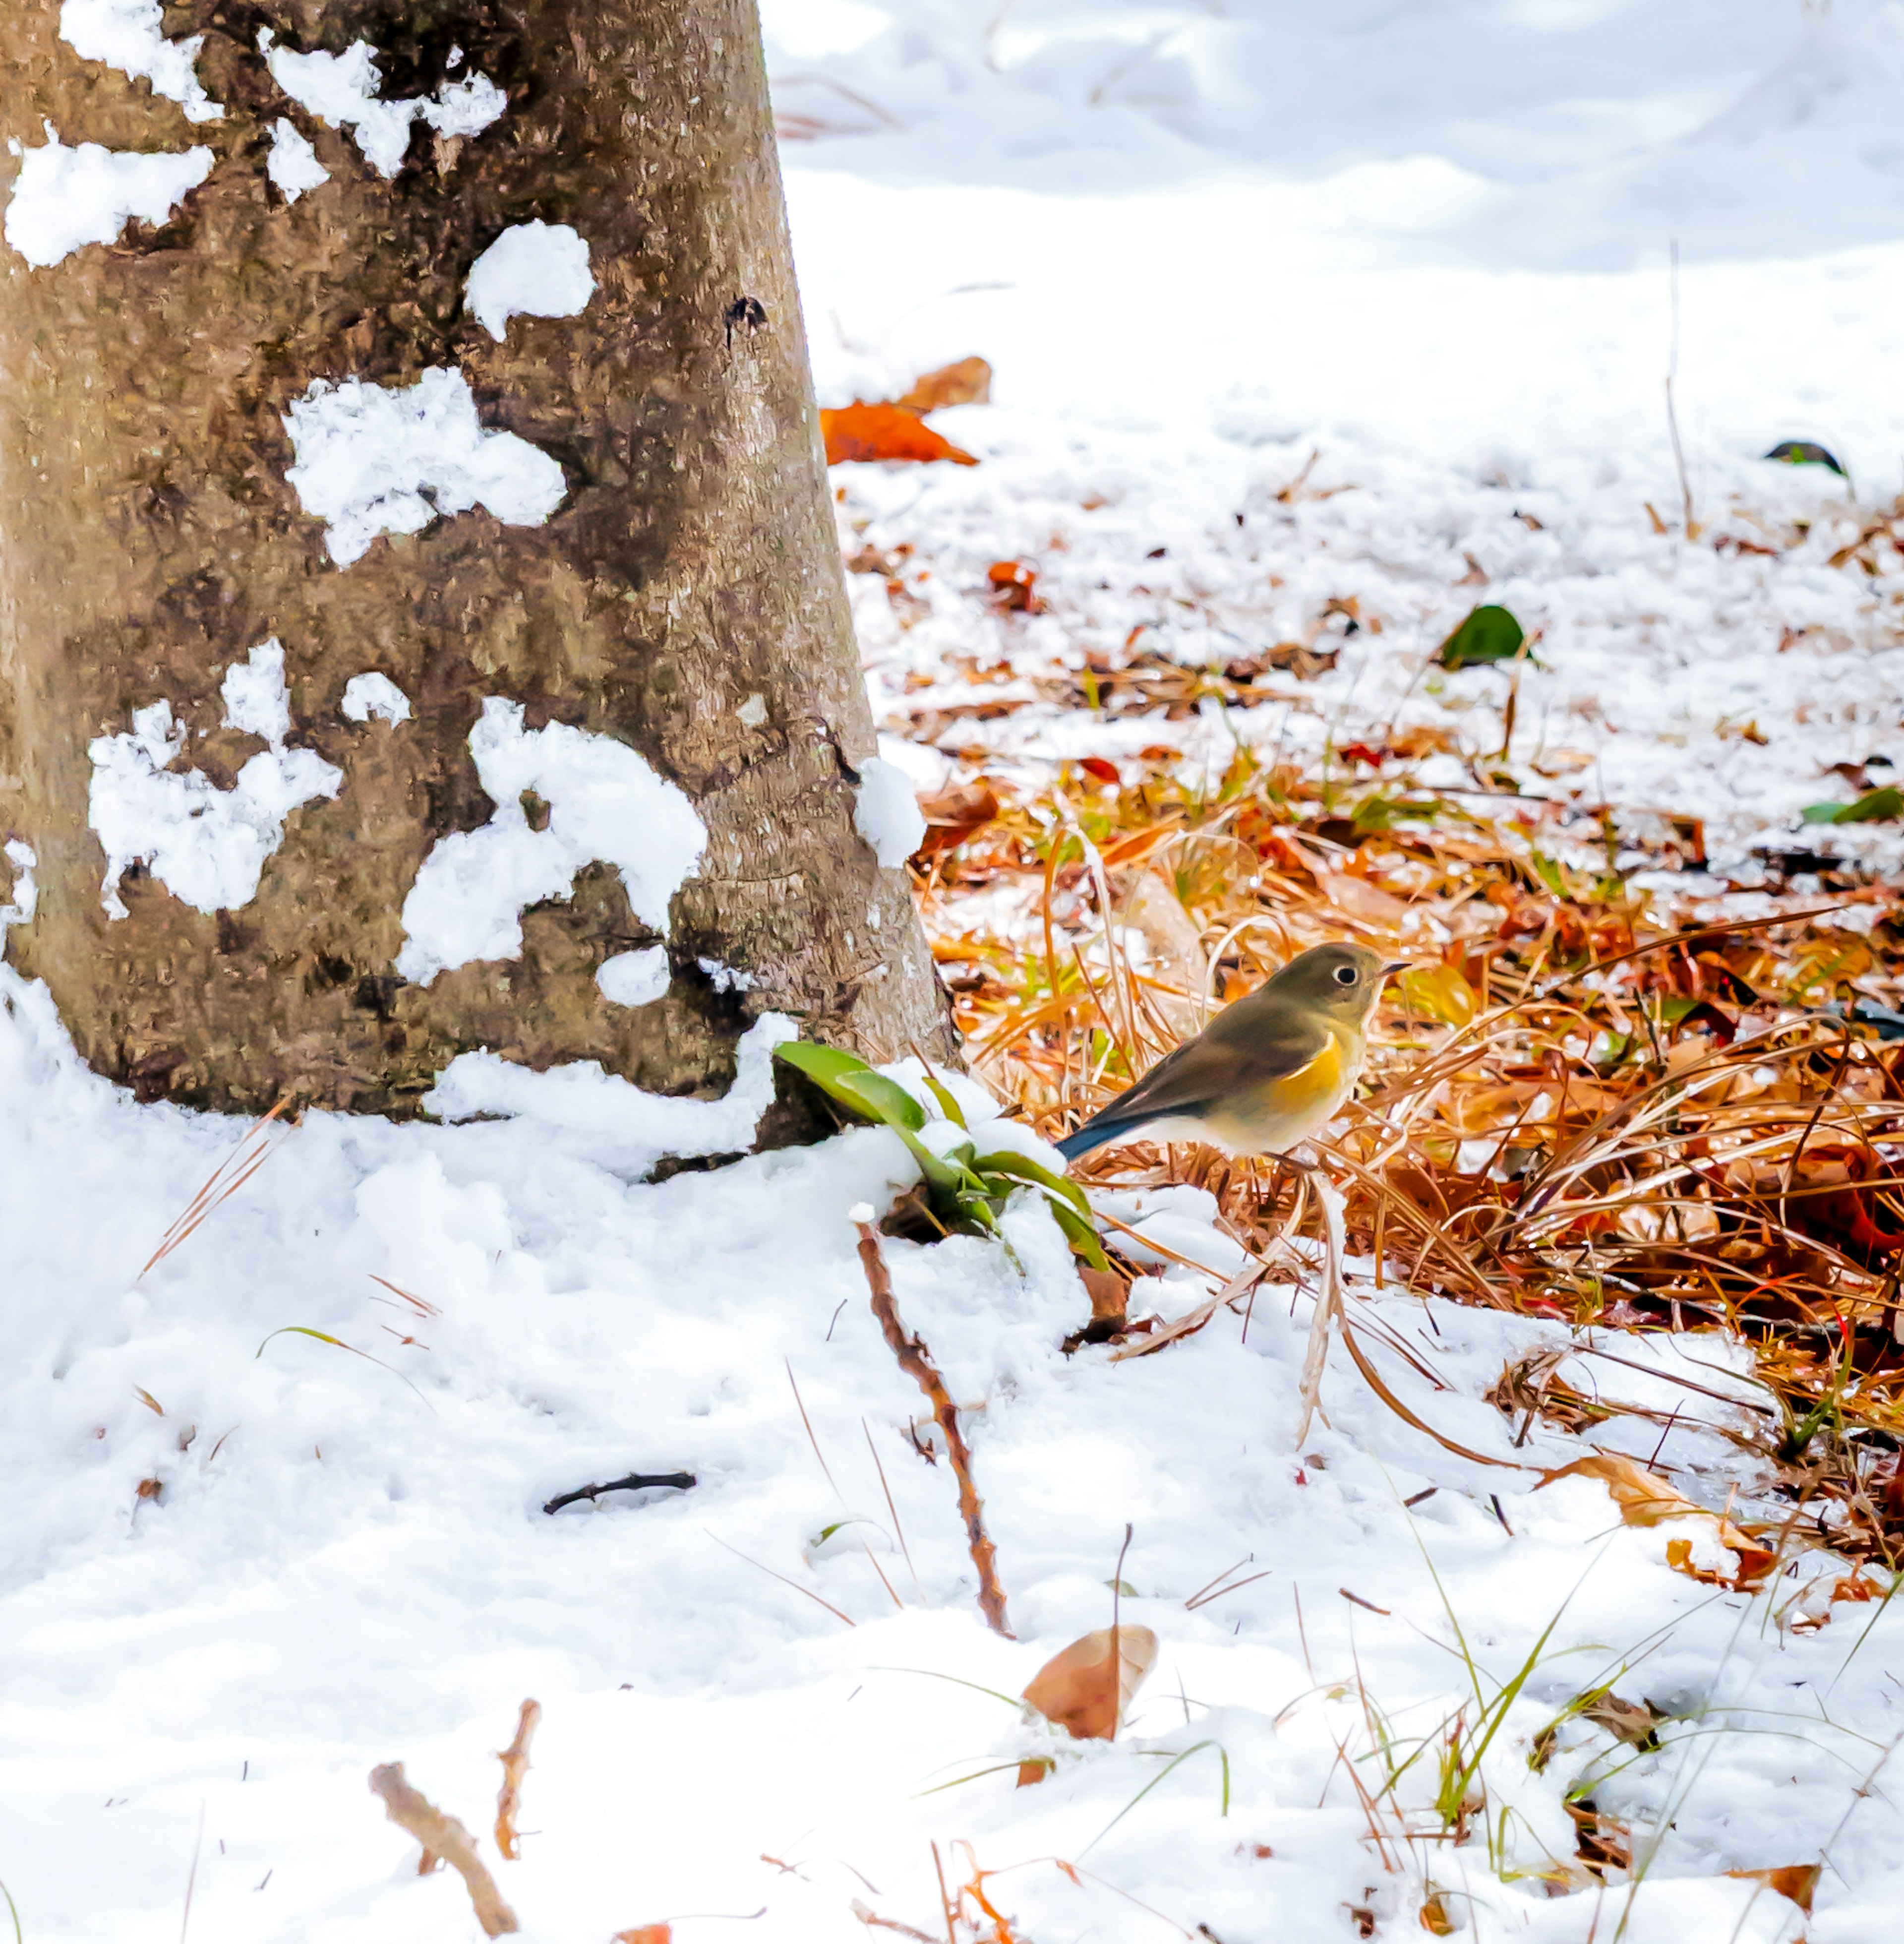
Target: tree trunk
x,y
649,560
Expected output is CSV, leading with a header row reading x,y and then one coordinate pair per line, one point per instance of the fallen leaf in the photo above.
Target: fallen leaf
x,y
1085,1689
952,815
968,382
1489,634
1805,452
1797,1881
645,1933
1645,1499
1434,1918
1014,586
863,433
1441,992
1360,899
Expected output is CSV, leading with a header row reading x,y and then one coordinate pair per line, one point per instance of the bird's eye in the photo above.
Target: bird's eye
x,y
1345,975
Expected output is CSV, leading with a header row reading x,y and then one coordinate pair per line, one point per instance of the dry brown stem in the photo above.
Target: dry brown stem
x,y
916,1361
444,1836
515,1759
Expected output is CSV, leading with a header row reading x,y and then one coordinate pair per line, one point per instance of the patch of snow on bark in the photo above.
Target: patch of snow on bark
x,y
126,35
20,908
533,269
634,978
589,1109
256,699
342,91
887,814
375,695
724,978
293,164
64,199
207,846
374,461
605,804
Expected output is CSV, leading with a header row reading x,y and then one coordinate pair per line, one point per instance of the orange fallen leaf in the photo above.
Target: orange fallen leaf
x,y
968,382
1014,586
863,433
645,1933
1085,1689
1797,1881
1646,1500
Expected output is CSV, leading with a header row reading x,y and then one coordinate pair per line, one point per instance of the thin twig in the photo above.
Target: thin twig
x,y
444,1836
916,1361
515,1759
635,1481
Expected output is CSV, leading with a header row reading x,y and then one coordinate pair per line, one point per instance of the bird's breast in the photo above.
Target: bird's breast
x,y
1274,1116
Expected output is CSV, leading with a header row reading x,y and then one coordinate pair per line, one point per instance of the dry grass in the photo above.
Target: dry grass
x,y
1583,1104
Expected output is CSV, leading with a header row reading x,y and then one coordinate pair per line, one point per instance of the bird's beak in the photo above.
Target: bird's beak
x,y
1394,966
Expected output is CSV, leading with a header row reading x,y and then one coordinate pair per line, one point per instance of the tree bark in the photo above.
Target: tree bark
x,y
684,599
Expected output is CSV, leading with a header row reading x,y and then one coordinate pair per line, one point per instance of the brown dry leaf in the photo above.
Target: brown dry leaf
x,y
1360,899
1796,1881
1434,1917
865,433
1644,1500
1078,1690
968,382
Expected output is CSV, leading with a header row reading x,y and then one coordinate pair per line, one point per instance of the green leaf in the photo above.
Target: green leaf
x,y
1878,806
1489,634
948,1105
846,1077
1079,1233
1020,1167
1804,452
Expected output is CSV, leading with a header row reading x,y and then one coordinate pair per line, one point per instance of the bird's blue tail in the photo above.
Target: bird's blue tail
x,y
1093,1134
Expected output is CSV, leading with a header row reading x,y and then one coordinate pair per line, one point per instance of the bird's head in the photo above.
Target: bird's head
x,y
1342,981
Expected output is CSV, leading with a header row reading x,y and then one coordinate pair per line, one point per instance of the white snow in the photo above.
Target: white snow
x,y
65,198
580,1110
725,978
604,802
24,900
887,814
293,164
256,699
126,35
344,91
634,978
374,694
207,846
533,269
374,459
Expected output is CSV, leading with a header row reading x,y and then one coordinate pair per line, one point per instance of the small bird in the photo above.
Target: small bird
x,y
1266,1073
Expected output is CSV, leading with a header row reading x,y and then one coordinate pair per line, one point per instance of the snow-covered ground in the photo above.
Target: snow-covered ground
x,y
1197,242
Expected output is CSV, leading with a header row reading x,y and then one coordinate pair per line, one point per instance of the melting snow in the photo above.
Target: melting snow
x,y
206,845
375,695
533,269
634,978
342,91
20,908
64,199
887,814
294,164
374,460
579,1109
127,35
604,802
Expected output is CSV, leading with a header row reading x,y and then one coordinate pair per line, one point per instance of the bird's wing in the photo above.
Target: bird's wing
x,y
1236,1054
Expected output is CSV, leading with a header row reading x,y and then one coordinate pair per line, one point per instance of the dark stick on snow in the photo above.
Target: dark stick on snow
x,y
635,1481
916,1361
